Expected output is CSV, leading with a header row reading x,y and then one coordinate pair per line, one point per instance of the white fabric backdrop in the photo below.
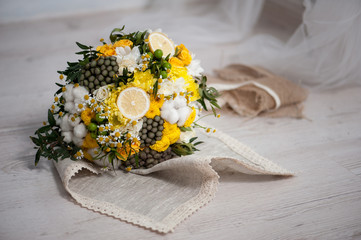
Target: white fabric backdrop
x,y
321,51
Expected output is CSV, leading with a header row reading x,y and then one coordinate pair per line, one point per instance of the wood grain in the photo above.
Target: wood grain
x,y
322,202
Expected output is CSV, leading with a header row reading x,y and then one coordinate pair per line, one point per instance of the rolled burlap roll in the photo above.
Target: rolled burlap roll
x,y
254,91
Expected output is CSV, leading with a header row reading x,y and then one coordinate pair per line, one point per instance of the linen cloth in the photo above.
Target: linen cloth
x,y
163,196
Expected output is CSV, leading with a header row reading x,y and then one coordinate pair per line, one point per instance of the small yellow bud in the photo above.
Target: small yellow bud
x,y
208,130
101,40
61,76
128,169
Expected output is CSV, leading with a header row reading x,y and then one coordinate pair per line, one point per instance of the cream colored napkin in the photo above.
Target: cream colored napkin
x,y
254,91
163,196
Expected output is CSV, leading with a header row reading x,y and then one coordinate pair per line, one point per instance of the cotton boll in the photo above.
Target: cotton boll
x,y
77,141
64,125
69,107
180,102
79,93
80,130
170,114
58,120
68,94
68,136
168,105
184,113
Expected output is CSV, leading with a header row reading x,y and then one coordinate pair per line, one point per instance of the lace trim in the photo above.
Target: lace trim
x,y
252,161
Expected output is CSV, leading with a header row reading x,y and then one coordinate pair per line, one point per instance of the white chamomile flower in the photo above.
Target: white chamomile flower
x,y
73,120
101,139
79,155
79,106
116,134
127,58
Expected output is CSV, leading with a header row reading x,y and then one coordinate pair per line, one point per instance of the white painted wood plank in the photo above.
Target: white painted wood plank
x,y
322,202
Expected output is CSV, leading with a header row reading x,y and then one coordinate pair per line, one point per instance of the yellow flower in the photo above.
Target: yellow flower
x,y
87,116
106,50
126,150
191,118
161,145
155,105
87,155
115,117
109,49
191,86
89,142
144,80
170,133
176,62
123,43
184,55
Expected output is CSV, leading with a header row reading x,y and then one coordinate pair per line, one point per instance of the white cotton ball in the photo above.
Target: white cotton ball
x,y
68,94
69,106
68,136
170,115
73,121
78,141
80,130
180,102
184,113
167,105
58,120
79,93
64,125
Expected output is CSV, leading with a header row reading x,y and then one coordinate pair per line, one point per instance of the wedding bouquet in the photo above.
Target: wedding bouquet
x,y
130,103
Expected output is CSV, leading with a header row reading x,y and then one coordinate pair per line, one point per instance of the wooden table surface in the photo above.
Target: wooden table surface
x,y
322,202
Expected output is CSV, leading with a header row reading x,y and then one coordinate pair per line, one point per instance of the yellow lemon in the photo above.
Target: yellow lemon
x,y
158,40
133,102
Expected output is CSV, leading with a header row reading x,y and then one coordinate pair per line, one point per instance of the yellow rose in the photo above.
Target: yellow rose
x,y
123,43
184,55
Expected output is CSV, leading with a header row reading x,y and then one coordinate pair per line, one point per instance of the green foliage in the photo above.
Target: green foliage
x,y
50,144
182,149
73,71
209,94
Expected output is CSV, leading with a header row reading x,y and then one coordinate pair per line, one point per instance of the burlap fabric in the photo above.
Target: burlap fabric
x,y
254,91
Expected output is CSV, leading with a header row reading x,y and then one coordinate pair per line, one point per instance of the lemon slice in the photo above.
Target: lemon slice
x,y
158,40
133,102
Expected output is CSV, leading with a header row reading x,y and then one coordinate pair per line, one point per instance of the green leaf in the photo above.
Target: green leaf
x,y
51,118
36,141
37,156
82,46
192,139
43,129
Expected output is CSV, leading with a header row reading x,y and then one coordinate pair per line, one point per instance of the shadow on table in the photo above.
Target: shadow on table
x,y
229,176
